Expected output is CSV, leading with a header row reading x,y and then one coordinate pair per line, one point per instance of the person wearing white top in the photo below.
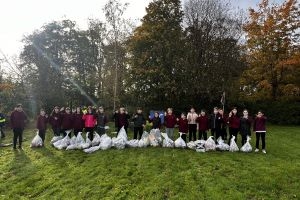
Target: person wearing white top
x,y
192,120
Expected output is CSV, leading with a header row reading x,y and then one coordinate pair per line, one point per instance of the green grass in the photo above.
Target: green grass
x,y
153,173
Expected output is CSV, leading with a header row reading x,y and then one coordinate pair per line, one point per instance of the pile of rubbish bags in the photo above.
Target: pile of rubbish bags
x,y
154,138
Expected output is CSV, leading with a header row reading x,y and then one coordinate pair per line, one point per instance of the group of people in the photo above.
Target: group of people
x,y
65,121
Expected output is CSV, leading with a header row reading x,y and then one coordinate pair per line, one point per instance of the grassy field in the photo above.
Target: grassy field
x,y
153,173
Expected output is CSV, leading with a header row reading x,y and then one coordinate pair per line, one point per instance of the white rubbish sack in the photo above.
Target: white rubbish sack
x,y
132,143
144,141
167,142
87,142
56,138
210,144
233,146
180,143
106,142
96,139
152,138
37,141
92,149
222,146
191,145
247,146
120,141
63,143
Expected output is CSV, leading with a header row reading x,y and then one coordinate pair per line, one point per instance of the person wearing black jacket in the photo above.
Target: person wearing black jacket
x,y
215,123
245,126
139,123
156,121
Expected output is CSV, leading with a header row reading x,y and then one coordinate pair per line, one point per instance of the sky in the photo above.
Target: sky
x,y
22,17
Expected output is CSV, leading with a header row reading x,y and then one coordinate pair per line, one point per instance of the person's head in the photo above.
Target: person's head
x,y
56,109
122,110
183,115
68,110
170,111
260,113
202,113
90,110
139,110
156,114
245,112
221,111
101,109
19,107
42,112
234,110
78,110
216,110
192,109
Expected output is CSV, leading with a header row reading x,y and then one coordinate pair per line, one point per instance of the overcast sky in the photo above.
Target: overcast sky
x,y
19,17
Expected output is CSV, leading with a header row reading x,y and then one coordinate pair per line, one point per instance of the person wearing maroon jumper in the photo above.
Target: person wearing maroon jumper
x,y
17,120
203,125
234,124
259,127
121,118
66,121
55,121
78,123
41,124
170,122
183,126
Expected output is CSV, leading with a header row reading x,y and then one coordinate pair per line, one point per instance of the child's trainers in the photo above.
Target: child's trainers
x,y
256,150
264,151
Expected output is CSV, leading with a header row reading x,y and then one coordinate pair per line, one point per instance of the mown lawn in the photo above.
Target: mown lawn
x,y
153,173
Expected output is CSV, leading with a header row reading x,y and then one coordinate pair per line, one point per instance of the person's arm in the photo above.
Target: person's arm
x,y
12,120
254,124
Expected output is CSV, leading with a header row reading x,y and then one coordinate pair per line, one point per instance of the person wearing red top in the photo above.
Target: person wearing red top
x,y
203,125
55,121
183,126
66,121
89,122
78,123
41,124
234,124
17,120
259,127
170,122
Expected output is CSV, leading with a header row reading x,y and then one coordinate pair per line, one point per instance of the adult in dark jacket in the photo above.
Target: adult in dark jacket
x,y
78,123
55,121
156,121
121,118
101,120
17,120
139,122
245,126
215,123
41,124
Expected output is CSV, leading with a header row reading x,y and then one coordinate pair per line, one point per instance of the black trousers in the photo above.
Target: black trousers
x,y
56,131
183,136
224,133
192,132
263,139
18,134
233,132
136,131
100,130
42,134
2,131
216,133
202,133
91,131
65,133
76,131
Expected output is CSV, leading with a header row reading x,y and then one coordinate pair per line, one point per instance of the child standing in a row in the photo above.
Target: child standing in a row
x,y
259,127
41,124
183,126
139,124
203,125
170,122
192,120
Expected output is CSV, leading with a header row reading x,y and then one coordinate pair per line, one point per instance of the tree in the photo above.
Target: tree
x,y
156,51
272,46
